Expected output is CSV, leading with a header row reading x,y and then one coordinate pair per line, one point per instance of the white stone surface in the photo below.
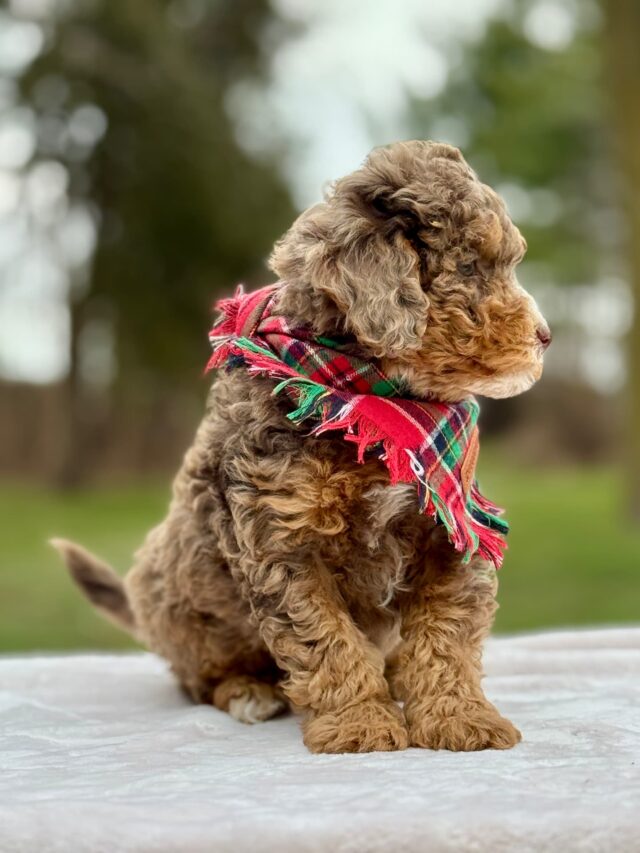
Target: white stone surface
x,y
102,753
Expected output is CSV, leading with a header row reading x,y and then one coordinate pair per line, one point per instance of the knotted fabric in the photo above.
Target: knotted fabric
x,y
430,444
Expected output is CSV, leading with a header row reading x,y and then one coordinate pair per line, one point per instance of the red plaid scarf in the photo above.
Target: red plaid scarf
x,y
433,445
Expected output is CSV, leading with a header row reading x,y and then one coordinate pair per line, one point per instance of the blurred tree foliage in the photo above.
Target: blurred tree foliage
x,y
538,118
181,211
534,118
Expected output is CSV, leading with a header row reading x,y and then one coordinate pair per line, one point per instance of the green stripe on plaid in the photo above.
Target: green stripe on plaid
x,y
430,444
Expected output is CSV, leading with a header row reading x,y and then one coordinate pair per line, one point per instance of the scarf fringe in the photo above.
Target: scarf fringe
x,y
478,531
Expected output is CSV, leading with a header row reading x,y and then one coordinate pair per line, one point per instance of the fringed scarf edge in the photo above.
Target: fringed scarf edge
x,y
482,530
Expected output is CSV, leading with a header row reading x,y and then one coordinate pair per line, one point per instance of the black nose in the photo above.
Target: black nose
x,y
543,334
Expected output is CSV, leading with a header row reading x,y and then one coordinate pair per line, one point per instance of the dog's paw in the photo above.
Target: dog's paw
x,y
371,726
461,727
248,700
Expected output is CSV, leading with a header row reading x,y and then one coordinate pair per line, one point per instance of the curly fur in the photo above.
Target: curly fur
x,y
285,569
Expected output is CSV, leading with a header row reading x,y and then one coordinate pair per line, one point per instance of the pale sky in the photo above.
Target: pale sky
x,y
342,87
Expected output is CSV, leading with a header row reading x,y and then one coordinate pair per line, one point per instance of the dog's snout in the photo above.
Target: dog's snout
x,y
543,333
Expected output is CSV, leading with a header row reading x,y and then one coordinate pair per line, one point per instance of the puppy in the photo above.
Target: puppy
x,y
288,573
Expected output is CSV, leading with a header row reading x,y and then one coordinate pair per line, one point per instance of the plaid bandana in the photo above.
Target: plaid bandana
x,y
432,445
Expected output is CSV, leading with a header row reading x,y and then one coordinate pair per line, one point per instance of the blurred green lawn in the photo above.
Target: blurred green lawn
x,y
572,558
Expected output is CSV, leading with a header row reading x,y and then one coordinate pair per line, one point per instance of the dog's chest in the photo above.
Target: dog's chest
x,y
312,498
386,505
367,531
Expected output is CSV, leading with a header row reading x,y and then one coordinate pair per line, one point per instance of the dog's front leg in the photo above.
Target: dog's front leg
x,y
334,674
438,670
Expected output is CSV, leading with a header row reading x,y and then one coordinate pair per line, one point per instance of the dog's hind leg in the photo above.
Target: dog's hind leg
x,y
216,664
190,611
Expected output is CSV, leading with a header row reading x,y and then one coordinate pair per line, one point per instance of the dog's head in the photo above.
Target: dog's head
x,y
416,258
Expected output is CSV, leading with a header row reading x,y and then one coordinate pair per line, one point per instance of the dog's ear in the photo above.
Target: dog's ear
x,y
345,272
375,282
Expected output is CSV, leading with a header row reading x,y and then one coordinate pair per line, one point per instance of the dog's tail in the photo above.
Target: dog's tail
x,y
98,581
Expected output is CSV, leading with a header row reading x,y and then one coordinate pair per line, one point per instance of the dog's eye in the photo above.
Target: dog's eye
x,y
466,268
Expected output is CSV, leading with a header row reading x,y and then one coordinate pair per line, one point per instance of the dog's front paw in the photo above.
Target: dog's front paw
x,y
371,726
460,727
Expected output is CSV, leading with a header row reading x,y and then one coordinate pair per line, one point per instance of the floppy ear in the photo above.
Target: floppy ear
x,y
375,282
348,276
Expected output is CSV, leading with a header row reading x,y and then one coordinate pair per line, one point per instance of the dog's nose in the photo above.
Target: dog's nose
x,y
543,333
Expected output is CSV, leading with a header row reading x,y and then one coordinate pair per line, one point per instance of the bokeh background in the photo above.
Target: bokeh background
x,y
151,152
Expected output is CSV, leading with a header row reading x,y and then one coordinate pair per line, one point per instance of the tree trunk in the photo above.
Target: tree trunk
x,y
69,470
622,37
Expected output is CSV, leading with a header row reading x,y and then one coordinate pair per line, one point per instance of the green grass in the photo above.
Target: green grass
x,y
572,560
574,557
39,606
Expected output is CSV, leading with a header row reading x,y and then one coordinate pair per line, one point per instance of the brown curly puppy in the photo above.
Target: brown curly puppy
x,y
284,569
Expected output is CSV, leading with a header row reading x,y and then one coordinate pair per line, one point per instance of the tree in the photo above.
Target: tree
x,y
181,211
533,117
622,33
